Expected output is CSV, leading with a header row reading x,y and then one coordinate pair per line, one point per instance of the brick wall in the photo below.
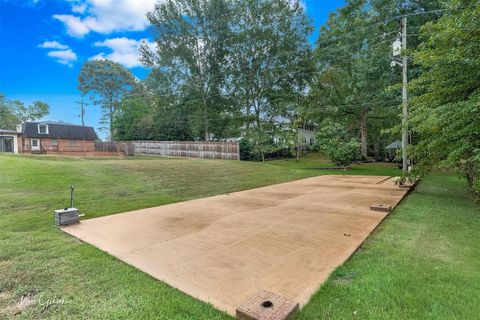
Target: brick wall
x,y
59,145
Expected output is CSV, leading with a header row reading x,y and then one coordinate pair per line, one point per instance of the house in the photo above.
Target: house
x,y
55,138
8,141
307,133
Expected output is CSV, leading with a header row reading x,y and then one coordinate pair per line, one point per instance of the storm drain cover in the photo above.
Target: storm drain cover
x,y
265,305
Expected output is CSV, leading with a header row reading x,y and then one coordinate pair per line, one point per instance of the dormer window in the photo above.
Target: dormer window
x,y
42,128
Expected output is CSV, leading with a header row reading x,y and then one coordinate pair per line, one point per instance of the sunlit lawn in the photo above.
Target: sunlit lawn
x,y
422,262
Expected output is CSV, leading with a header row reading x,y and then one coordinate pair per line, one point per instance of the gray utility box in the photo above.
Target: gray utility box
x,y
67,216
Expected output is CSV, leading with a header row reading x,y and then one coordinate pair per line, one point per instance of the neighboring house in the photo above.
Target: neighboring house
x,y
8,141
307,133
55,138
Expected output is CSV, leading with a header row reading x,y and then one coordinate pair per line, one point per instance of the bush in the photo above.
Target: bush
x,y
248,151
332,139
471,170
341,153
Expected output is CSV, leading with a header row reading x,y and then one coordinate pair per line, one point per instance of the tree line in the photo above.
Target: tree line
x,y
246,68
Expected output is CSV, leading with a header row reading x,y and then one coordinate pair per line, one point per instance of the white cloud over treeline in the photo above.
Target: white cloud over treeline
x,y
105,16
122,50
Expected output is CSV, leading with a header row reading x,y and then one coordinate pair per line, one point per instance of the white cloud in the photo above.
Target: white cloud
x,y
123,50
79,8
106,16
63,54
75,26
66,57
53,45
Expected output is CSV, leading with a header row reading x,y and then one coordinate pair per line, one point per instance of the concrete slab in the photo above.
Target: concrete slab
x,y
285,238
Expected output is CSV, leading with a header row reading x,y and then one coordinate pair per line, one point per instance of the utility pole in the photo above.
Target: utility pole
x,y
403,24
82,111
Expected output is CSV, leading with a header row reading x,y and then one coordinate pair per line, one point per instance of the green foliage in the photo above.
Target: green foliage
x,y
444,111
191,39
333,140
8,118
230,66
261,143
354,80
245,149
14,112
270,59
106,82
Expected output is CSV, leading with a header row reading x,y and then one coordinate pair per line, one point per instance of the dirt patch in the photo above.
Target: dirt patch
x,y
5,296
16,307
343,279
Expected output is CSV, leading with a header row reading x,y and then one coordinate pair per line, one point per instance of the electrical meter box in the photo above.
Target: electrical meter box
x,y
67,216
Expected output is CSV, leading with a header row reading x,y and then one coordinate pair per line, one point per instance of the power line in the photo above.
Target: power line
x,y
310,56
316,52
282,67
387,20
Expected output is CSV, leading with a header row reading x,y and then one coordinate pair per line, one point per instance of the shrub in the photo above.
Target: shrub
x,y
250,151
332,139
471,170
246,150
341,153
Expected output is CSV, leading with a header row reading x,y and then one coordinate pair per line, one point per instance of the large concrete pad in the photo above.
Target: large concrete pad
x,y
285,238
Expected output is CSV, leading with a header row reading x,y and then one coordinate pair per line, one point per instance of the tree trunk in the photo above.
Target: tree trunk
x,y
247,125
247,113
298,145
257,117
363,133
205,119
262,154
257,114
111,121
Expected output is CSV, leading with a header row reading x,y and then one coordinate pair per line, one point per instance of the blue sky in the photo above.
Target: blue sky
x,y
43,44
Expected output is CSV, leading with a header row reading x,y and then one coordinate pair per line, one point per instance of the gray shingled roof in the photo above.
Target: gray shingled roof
x,y
397,144
59,130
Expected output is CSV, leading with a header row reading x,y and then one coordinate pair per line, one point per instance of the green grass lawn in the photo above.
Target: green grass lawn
x,y
422,262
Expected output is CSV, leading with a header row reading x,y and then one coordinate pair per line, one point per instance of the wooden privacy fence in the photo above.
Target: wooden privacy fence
x,y
189,149
106,146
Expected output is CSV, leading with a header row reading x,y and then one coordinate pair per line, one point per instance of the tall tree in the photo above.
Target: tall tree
x,y
268,54
446,107
153,112
14,112
106,82
354,55
191,47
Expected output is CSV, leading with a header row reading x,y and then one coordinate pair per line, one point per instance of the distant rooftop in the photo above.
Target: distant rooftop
x,y
59,123
397,144
58,130
7,131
